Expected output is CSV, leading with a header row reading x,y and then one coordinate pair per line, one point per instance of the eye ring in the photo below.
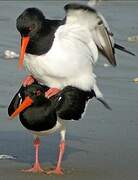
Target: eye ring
x,y
30,29
37,93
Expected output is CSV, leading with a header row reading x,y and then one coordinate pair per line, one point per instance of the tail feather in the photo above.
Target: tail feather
x,y
121,48
104,103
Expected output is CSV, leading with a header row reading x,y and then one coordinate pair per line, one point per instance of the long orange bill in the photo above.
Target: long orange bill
x,y
26,103
25,41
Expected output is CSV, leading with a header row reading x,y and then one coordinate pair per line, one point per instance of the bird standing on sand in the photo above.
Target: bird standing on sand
x,y
43,116
61,53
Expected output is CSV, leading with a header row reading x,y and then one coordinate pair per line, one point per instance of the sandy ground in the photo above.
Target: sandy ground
x,y
85,158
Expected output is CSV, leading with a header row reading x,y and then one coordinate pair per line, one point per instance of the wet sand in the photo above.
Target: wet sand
x,y
7,172
90,157
101,146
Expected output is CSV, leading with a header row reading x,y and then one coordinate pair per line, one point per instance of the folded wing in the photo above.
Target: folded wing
x,y
15,102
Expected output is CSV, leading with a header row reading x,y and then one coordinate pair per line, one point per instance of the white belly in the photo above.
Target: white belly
x,y
57,73
68,62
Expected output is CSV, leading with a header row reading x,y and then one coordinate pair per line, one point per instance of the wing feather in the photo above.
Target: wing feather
x,y
14,104
95,23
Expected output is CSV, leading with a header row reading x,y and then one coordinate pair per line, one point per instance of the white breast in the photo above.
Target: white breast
x,y
69,61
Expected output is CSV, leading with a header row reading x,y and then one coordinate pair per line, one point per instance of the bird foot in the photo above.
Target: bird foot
x,y
51,92
57,171
35,169
28,80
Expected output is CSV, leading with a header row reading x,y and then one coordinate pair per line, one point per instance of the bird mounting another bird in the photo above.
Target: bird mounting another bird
x,y
60,55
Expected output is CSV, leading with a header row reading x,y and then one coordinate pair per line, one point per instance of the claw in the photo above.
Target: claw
x,y
35,169
57,171
28,80
51,92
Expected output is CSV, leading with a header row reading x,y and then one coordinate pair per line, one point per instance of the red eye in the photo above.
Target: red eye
x,y
38,92
30,29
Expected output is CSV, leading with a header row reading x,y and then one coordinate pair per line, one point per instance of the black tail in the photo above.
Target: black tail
x,y
121,48
104,103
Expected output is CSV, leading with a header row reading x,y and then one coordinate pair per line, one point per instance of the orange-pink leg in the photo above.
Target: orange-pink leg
x,y
28,80
51,92
58,170
36,167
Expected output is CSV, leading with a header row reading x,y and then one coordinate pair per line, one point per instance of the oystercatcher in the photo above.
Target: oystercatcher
x,y
59,53
43,116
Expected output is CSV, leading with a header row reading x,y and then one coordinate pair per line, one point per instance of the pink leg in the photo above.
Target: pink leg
x,y
28,80
51,92
58,170
36,167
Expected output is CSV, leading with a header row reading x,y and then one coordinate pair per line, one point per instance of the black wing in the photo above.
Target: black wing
x,y
16,101
70,103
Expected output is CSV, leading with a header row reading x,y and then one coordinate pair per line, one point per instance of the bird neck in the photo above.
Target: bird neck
x,y
40,101
43,39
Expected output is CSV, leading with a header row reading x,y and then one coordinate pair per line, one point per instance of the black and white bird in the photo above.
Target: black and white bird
x,y
61,53
43,116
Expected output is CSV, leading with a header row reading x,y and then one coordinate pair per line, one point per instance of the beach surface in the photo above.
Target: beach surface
x,y
103,145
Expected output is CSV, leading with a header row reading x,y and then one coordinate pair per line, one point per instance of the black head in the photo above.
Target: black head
x,y
30,22
33,95
37,93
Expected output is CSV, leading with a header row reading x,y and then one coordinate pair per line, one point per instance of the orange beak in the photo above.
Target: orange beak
x,y
26,103
25,41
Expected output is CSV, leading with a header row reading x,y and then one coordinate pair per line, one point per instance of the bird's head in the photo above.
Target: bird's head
x,y
29,24
34,94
